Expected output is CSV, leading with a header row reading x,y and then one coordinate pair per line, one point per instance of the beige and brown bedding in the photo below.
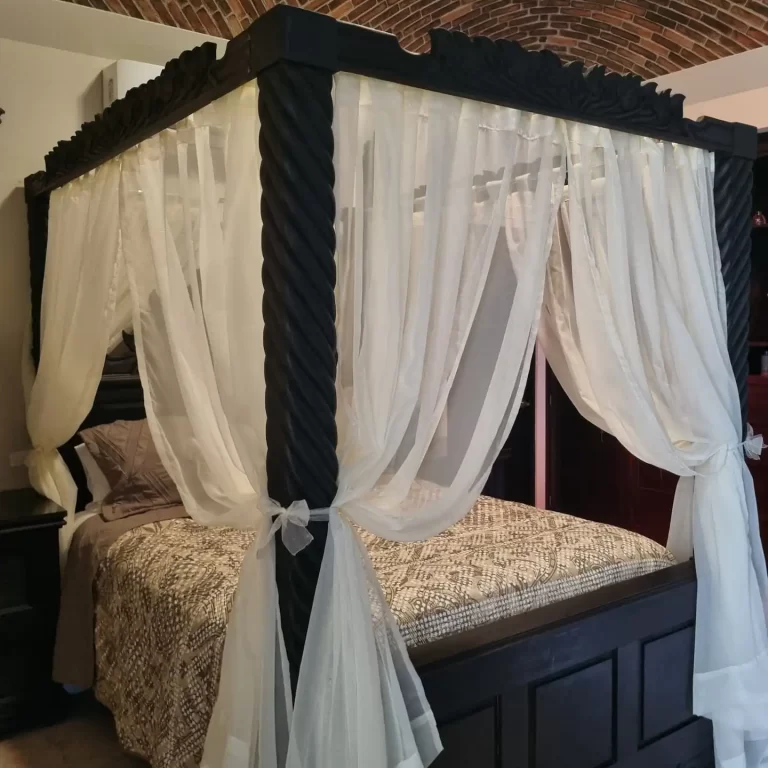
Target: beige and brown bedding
x,y
164,590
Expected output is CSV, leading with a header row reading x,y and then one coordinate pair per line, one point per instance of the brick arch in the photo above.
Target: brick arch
x,y
647,37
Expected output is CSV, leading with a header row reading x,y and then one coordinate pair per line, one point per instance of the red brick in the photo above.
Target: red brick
x,y
616,13
682,62
132,9
668,44
651,26
688,10
234,25
561,40
652,70
731,43
649,37
634,8
455,13
207,22
676,37
177,14
712,51
760,35
732,21
666,18
758,6
647,48
342,9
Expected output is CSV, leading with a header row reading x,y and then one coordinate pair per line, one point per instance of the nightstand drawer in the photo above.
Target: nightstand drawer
x,y
20,626
29,602
13,579
29,571
19,672
23,635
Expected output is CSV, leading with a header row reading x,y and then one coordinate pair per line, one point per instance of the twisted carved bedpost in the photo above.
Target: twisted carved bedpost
x,y
733,208
299,273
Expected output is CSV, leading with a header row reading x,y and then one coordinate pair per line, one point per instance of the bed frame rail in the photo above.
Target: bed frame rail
x,y
599,680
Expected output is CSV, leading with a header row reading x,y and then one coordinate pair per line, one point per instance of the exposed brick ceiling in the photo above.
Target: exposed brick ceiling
x,y
640,36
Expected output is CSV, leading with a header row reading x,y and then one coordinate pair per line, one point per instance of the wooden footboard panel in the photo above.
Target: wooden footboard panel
x,y
600,680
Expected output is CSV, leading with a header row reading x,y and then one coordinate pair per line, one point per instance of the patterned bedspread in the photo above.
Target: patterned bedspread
x,y
164,592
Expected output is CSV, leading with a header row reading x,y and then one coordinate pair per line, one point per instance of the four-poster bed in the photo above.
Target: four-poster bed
x,y
600,679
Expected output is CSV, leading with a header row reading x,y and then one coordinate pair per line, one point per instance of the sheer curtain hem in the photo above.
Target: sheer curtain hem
x,y
736,696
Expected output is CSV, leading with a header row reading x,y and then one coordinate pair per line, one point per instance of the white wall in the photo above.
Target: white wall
x,y
734,88
46,94
750,107
76,28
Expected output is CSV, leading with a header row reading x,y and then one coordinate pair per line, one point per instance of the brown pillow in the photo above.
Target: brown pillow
x,y
127,456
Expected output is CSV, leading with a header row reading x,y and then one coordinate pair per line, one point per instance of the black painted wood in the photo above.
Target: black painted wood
x,y
29,598
491,674
185,85
565,685
25,508
471,740
629,683
500,72
733,209
667,669
38,203
567,731
298,212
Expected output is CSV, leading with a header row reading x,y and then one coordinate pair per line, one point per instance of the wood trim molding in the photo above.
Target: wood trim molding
x,y
185,85
499,72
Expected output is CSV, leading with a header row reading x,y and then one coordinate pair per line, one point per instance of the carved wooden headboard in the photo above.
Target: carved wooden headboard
x,y
119,396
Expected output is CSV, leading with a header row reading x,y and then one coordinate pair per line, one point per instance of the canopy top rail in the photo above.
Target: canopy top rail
x,y
499,72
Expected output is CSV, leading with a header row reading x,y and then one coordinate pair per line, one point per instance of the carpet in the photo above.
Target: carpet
x,y
85,739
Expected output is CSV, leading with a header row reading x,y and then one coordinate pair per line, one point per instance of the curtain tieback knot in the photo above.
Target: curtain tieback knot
x,y
753,445
292,523
33,456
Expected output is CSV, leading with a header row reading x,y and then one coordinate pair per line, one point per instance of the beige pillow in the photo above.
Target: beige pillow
x,y
128,458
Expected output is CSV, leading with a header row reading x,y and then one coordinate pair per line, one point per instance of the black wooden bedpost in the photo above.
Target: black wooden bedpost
x,y
733,221
294,53
298,242
38,204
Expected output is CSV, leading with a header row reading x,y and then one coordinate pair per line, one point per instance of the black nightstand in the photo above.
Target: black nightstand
x,y
29,604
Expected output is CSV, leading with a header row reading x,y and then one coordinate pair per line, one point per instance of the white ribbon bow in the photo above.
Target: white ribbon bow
x,y
753,445
293,524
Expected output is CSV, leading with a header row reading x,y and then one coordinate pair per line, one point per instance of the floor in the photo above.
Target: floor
x,y
86,739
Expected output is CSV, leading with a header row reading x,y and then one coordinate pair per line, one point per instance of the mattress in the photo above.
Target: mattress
x,y
164,591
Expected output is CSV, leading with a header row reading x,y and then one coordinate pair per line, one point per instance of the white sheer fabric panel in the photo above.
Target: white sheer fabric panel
x,y
77,323
444,219
634,327
192,240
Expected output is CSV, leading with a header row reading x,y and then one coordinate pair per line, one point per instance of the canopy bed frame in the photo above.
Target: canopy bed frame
x,y
603,679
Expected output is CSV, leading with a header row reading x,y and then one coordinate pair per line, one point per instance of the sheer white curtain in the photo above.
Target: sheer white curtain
x,y
445,216
192,241
77,323
634,327
445,210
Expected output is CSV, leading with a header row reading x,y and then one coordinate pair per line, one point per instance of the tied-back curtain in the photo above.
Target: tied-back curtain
x,y
445,210
634,326
192,240
77,324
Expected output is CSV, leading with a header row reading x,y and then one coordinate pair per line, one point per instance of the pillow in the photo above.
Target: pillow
x,y
98,485
128,458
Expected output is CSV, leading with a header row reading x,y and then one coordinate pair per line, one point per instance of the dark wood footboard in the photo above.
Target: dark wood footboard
x,y
596,681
